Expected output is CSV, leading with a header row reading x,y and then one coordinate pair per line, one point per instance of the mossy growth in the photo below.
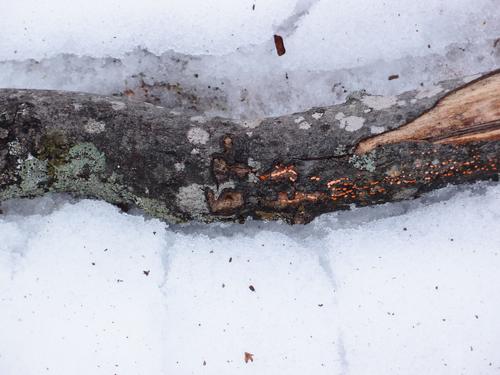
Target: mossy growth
x,y
54,149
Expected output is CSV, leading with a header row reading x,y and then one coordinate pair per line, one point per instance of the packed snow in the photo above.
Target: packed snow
x,y
406,288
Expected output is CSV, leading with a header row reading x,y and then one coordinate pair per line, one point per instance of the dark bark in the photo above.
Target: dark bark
x,y
294,167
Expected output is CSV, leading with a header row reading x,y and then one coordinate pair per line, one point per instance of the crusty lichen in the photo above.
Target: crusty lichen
x,y
156,208
365,162
80,170
83,161
33,173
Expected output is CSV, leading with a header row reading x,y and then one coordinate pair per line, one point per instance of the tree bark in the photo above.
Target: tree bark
x,y
369,150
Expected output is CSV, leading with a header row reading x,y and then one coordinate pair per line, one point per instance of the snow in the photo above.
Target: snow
x,y
405,288
94,27
218,56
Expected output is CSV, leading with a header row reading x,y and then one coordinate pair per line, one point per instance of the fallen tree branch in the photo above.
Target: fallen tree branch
x,y
369,150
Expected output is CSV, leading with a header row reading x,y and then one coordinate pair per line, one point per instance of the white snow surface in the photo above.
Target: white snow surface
x,y
218,56
407,288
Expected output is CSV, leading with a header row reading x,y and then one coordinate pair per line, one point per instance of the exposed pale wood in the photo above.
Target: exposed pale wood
x,y
471,113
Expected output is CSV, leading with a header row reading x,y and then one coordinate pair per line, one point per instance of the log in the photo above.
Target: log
x,y
368,150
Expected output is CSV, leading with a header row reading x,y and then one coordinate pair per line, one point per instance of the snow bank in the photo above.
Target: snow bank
x,y
409,288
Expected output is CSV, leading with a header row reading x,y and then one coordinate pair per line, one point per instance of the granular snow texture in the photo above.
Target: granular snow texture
x,y
409,288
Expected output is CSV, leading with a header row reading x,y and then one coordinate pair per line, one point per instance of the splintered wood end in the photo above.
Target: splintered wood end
x,y
468,114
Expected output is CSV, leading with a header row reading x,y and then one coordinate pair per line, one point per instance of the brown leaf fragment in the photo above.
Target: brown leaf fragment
x,y
280,45
248,357
128,92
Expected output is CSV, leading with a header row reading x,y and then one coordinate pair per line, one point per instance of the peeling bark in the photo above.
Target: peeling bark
x,y
369,150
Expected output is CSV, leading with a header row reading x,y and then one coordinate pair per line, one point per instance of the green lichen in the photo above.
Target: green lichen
x,y
32,179
340,150
83,171
156,208
364,162
33,174
83,160
80,170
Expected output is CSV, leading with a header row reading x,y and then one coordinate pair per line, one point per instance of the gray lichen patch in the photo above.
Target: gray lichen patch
x,y
118,106
304,125
94,127
15,148
191,199
350,123
179,166
198,136
317,115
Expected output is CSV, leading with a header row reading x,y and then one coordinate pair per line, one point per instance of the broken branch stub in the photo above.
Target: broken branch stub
x,y
369,150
